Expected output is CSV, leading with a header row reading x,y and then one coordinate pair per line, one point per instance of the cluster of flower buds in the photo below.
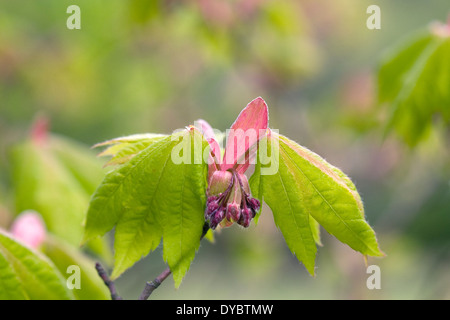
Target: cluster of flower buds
x,y
229,200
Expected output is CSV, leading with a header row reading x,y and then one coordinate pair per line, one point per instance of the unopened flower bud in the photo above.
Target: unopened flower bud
x,y
254,204
246,217
212,205
216,218
219,182
233,212
229,200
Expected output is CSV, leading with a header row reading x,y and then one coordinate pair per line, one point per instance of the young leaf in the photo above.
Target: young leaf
x,y
10,285
139,137
315,229
153,196
26,274
282,193
332,199
307,191
124,148
257,191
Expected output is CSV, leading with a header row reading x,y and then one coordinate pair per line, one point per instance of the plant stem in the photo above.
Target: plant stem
x,y
151,286
108,282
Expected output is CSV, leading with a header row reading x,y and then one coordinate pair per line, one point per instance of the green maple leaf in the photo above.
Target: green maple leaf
x,y
307,191
152,197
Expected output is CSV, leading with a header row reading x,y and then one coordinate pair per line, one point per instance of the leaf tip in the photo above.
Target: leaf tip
x,y
115,274
311,270
310,266
86,238
177,279
83,241
377,252
382,254
100,144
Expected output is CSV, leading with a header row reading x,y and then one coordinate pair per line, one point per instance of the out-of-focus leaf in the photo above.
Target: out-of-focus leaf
x,y
414,81
63,256
431,221
152,196
78,160
56,179
43,184
282,44
26,274
142,11
5,214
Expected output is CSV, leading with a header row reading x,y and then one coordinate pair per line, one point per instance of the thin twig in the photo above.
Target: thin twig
x,y
108,282
152,285
149,286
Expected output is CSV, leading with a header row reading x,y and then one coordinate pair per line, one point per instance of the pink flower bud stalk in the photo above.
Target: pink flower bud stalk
x,y
233,206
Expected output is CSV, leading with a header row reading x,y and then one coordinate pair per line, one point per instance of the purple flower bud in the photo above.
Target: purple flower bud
x,y
253,204
211,199
212,205
229,200
246,217
233,212
207,214
216,218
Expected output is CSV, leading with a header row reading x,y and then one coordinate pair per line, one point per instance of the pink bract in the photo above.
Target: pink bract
x,y
229,198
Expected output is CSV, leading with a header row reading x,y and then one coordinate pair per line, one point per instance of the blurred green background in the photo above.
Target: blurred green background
x,y
155,66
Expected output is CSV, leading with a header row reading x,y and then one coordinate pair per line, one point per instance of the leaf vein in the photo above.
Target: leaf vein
x,y
325,200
